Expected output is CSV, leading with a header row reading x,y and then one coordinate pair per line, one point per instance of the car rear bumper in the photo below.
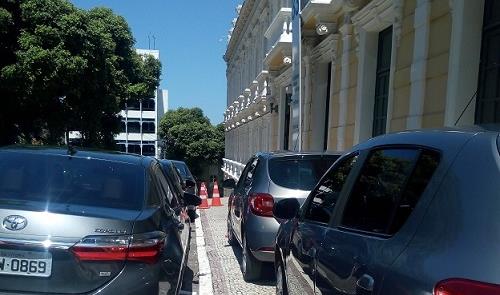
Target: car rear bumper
x,y
134,279
261,234
264,256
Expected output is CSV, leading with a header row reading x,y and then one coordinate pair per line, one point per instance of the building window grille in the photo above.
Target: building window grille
x,y
133,105
134,148
148,150
488,93
382,81
134,127
148,104
148,127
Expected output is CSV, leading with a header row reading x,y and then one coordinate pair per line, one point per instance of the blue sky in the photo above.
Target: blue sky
x,y
191,37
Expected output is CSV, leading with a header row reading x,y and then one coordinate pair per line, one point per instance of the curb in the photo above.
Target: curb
x,y
204,273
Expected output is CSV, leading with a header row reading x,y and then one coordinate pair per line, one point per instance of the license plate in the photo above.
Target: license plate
x,y
25,263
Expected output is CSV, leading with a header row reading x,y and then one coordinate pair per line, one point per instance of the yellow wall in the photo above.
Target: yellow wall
x,y
437,66
402,72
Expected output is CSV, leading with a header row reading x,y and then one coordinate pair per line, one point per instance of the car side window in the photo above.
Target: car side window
x,y
164,187
247,174
388,189
324,198
153,194
251,172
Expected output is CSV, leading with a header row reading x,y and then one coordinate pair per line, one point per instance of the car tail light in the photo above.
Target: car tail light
x,y
465,287
261,204
142,247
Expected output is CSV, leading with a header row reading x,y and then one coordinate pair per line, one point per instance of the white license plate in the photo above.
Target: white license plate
x,y
25,263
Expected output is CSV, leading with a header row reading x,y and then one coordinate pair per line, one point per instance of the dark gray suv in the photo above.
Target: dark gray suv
x,y
266,179
86,222
407,213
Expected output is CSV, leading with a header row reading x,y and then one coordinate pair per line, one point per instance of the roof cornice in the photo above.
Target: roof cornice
x,y
245,13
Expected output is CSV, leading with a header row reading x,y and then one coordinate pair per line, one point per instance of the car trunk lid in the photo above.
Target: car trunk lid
x,y
39,255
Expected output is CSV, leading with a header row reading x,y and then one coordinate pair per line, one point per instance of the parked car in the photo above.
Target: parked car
x,y
267,178
179,186
406,213
188,179
88,222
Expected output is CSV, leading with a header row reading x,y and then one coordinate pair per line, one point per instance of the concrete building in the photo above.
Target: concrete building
x,y
140,121
367,68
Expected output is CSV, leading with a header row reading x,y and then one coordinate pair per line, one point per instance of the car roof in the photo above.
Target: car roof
x,y
276,154
178,162
441,138
96,154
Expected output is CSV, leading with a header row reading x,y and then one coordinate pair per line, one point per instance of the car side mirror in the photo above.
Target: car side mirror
x,y
286,209
229,183
189,183
192,200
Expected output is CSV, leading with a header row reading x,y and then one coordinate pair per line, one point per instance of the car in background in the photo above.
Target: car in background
x,y
188,179
179,185
406,213
266,179
88,222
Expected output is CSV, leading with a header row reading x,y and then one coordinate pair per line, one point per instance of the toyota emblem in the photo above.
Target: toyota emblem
x,y
14,222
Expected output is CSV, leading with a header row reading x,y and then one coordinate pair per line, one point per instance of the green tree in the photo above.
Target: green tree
x,y
191,138
67,69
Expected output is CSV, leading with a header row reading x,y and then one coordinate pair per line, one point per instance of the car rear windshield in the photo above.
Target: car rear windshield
x,y
299,173
183,169
70,180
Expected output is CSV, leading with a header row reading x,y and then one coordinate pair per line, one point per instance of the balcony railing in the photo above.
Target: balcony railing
x,y
232,168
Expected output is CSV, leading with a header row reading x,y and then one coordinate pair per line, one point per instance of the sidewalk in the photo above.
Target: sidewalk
x,y
225,260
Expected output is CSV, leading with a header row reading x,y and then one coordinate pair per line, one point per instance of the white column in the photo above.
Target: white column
x,y
419,64
463,68
346,31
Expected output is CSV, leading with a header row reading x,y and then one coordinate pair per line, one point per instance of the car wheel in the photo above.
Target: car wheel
x,y
250,267
281,288
230,234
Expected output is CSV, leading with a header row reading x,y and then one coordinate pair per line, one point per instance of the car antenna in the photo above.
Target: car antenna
x,y
466,107
71,149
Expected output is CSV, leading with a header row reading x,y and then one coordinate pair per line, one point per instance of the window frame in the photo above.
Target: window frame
x,y
158,174
242,183
337,217
382,81
335,165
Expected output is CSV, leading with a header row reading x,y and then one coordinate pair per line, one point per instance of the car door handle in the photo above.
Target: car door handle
x,y
365,283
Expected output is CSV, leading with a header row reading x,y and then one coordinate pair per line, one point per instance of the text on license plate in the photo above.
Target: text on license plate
x,y
25,263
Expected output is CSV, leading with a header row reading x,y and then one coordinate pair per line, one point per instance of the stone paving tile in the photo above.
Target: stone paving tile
x,y
225,260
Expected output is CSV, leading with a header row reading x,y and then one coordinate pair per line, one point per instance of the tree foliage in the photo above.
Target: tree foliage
x,y
64,69
191,138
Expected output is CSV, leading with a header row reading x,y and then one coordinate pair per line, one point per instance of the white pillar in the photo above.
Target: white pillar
x,y
419,64
346,31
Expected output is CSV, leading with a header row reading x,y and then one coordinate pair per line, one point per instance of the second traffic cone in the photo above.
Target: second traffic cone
x,y
216,196
204,196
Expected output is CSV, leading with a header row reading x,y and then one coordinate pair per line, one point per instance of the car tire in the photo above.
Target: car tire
x,y
250,267
231,240
281,287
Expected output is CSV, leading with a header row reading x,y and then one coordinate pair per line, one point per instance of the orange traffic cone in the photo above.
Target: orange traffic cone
x,y
216,196
204,196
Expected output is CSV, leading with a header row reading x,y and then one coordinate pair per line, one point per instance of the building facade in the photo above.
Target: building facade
x,y
140,121
258,74
367,68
